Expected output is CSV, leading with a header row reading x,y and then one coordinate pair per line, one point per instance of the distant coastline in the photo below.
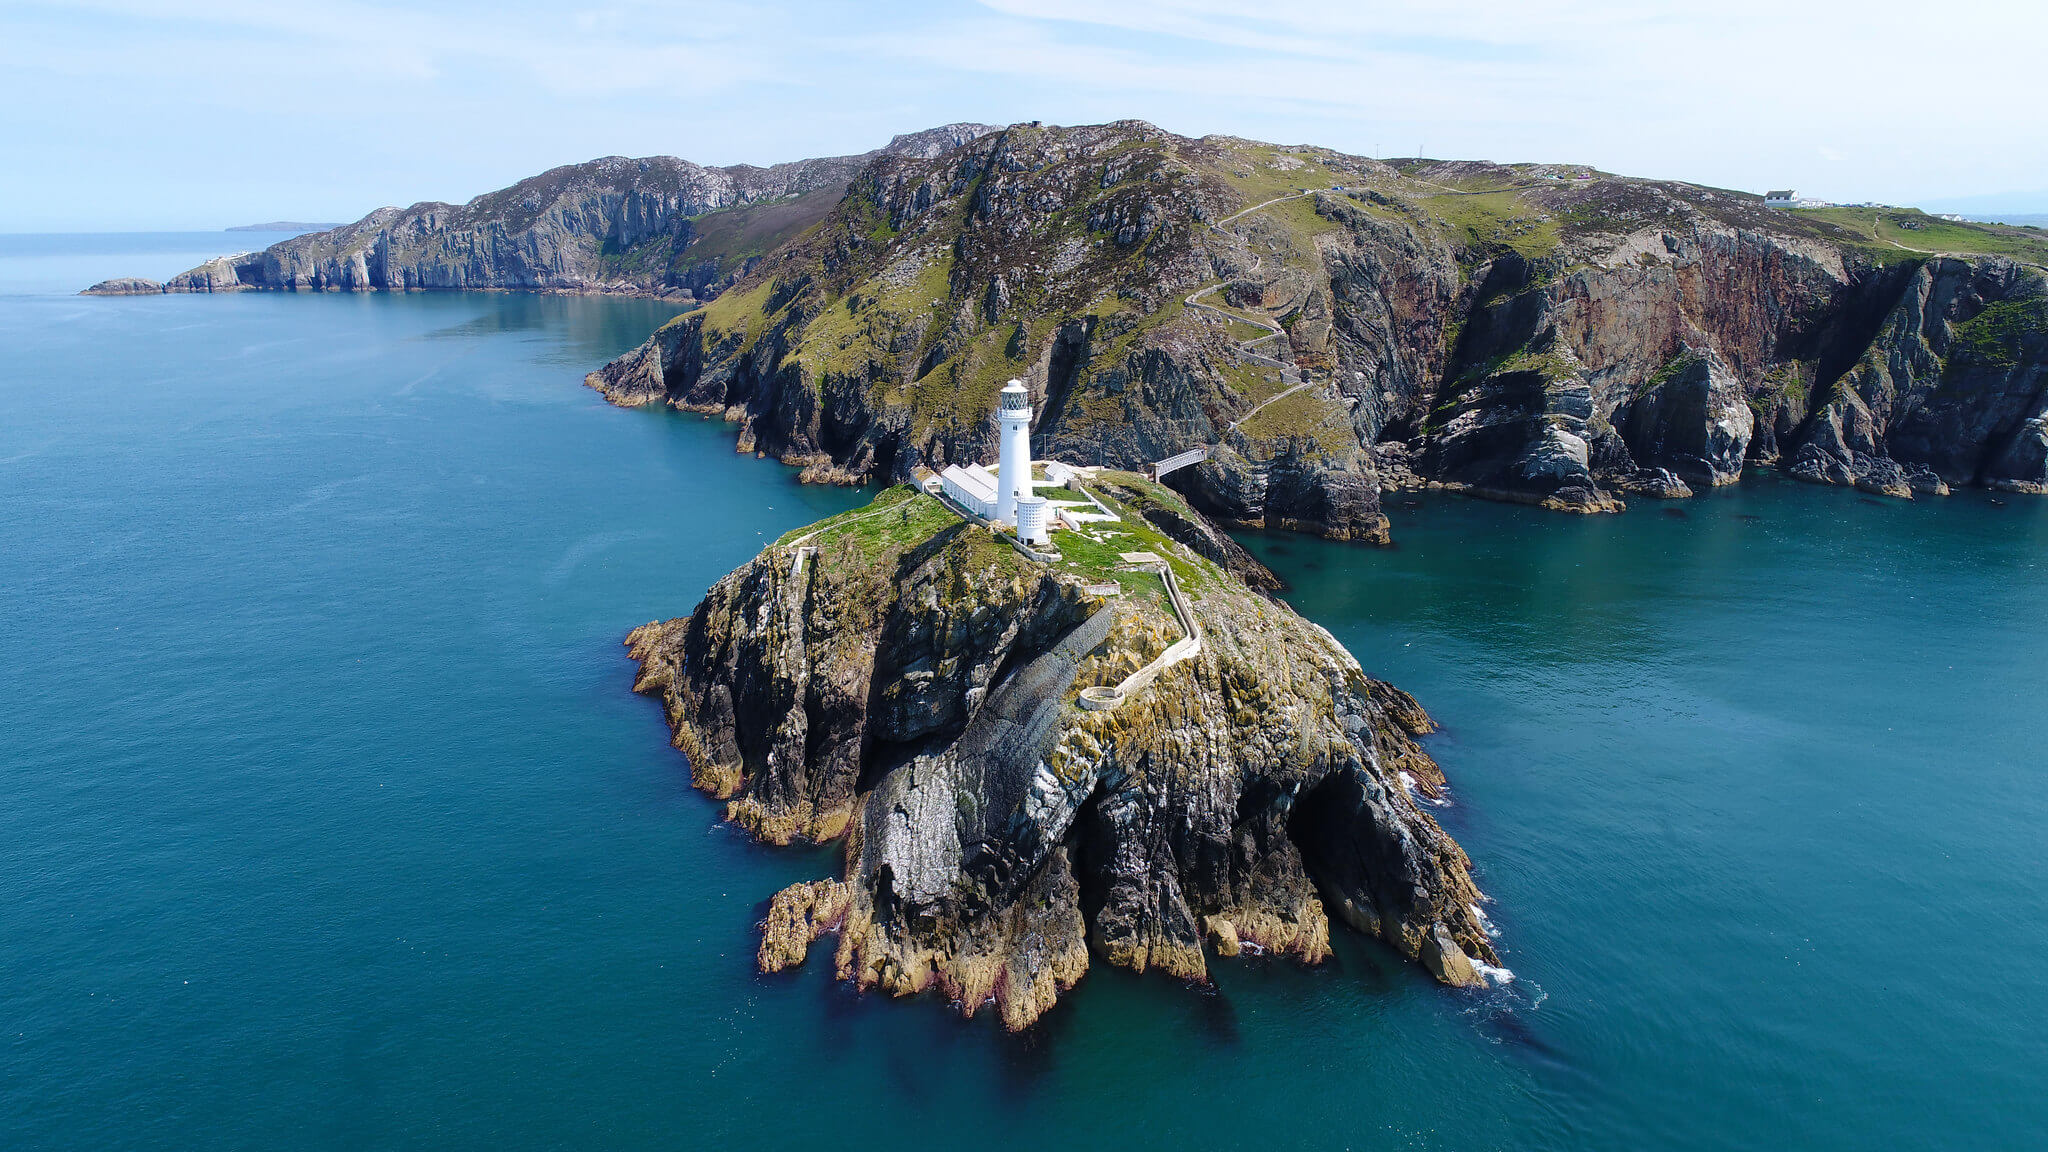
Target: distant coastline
x,y
2016,219
282,226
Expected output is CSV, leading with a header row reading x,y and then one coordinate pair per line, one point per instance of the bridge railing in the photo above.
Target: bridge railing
x,y
1176,462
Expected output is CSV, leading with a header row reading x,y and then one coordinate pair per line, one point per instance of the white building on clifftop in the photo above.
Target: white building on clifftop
x,y
1008,496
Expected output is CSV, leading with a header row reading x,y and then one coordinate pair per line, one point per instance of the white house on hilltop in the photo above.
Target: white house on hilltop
x,y
1779,199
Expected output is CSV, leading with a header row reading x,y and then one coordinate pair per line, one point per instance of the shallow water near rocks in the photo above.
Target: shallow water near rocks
x,y
327,818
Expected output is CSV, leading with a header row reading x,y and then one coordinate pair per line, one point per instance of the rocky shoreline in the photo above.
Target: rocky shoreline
x,y
897,680
1322,328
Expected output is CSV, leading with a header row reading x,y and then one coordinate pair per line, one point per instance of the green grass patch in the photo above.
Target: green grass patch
x,y
1915,233
898,519
1094,550
1997,336
1254,382
1303,414
738,312
1272,172
1495,220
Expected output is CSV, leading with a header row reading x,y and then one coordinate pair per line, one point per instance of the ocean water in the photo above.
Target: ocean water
x,y
61,263
328,820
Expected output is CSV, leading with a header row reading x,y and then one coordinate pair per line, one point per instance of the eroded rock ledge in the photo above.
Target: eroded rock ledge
x,y
902,681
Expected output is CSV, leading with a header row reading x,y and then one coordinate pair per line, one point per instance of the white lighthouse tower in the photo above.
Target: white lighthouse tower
x,y
1013,464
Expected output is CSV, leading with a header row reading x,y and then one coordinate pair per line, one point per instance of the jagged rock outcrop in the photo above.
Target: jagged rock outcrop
x,y
1527,333
651,226
905,681
1953,388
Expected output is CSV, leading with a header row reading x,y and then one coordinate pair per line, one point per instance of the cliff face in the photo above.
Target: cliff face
x,y
652,226
1534,333
878,341
1953,388
906,682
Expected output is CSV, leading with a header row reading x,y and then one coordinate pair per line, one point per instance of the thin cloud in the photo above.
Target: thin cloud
x,y
126,110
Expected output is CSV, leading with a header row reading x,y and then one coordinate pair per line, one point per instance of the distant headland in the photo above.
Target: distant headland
x,y
284,226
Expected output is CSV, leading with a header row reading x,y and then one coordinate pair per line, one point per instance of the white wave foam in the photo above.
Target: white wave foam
x,y
1498,977
1485,921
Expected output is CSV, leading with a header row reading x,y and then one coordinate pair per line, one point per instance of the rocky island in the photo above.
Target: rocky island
x,y
1121,750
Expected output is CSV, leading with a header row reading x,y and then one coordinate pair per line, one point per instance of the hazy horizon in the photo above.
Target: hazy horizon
x,y
190,115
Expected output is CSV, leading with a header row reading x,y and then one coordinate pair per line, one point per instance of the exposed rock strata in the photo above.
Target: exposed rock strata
x,y
1528,333
910,687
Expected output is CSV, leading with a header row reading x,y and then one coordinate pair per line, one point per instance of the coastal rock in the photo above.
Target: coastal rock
x,y
902,680
1694,421
124,286
1655,483
1947,390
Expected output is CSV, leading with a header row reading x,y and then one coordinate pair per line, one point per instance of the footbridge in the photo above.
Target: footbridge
x,y
1175,463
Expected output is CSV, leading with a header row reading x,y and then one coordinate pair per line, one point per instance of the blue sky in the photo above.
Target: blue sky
x,y
126,114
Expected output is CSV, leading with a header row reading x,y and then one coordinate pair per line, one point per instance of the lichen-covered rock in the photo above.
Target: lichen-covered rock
x,y
907,682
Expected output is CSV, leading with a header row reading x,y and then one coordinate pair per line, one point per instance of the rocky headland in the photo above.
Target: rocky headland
x,y
1537,333
905,682
1321,328
654,226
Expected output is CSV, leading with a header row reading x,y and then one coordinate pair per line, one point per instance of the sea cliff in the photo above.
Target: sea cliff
x,y
907,683
1328,328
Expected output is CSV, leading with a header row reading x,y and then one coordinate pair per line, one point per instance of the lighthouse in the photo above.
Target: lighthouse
x,y
1013,462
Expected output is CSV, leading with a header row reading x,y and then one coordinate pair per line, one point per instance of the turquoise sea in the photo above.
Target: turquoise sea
x,y
328,820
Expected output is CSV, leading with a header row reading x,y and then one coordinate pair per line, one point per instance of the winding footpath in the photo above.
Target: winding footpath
x,y
1244,347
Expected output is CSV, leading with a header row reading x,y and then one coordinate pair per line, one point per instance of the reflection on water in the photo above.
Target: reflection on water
x,y
576,330
66,263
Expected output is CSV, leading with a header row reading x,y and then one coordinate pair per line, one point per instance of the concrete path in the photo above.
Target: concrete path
x,y
1269,400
